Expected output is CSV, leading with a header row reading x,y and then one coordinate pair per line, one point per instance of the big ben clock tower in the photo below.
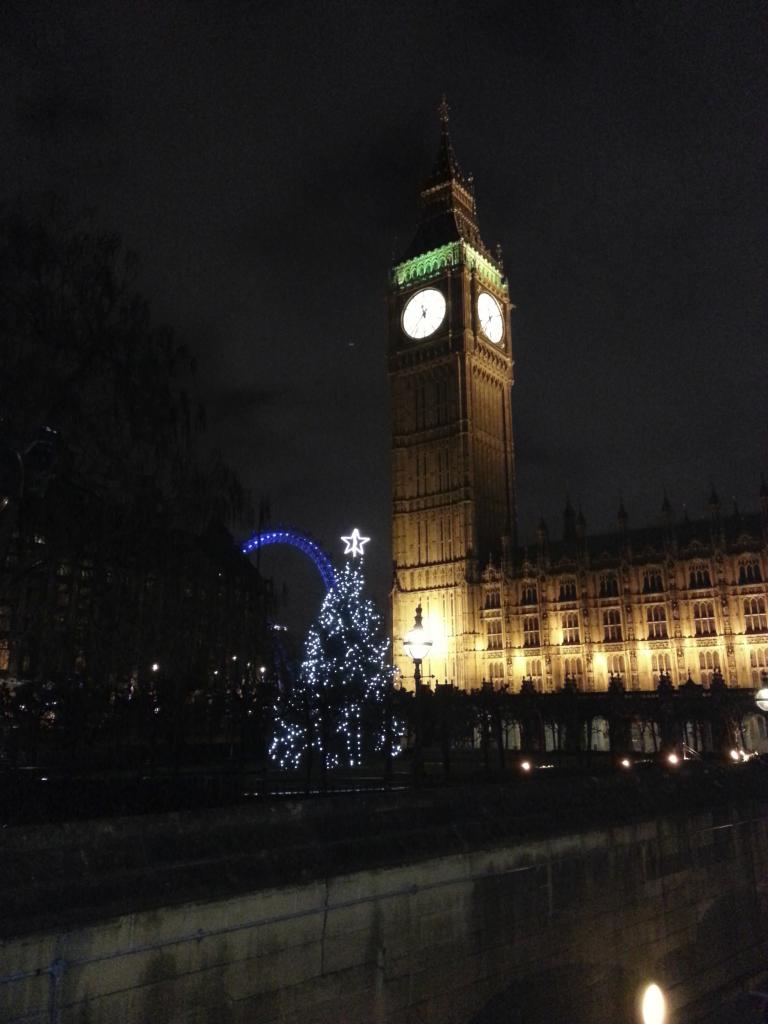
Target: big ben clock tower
x,y
450,366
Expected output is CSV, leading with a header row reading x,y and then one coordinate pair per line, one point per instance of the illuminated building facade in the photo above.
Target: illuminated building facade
x,y
680,599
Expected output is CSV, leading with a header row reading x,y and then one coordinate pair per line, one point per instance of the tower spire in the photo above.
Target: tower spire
x,y
446,167
449,212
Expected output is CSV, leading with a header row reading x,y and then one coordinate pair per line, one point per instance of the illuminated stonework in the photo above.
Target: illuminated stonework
x,y
452,254
683,599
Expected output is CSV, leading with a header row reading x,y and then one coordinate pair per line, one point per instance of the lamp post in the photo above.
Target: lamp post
x,y
417,647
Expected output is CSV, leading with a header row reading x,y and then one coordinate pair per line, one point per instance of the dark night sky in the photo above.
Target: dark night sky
x,y
265,160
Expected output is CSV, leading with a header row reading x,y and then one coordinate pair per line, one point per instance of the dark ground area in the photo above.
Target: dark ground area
x,y
184,847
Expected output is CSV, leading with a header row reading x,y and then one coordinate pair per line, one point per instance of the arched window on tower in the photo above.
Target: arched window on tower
x,y
661,665
656,617
567,590
533,671
609,585
615,665
709,663
699,577
652,581
611,625
749,571
755,620
572,669
758,665
704,618
571,628
528,594
494,634
531,634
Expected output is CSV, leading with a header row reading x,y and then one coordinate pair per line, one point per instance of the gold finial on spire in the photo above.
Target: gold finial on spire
x,y
443,110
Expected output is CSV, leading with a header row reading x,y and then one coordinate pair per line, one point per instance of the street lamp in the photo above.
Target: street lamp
x,y
761,697
654,1005
417,647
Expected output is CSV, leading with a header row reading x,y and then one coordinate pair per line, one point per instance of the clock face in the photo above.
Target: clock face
x,y
423,313
490,316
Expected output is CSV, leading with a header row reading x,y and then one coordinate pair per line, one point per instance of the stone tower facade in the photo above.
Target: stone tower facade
x,y
450,363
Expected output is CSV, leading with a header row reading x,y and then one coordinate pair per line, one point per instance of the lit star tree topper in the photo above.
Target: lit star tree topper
x,y
355,543
340,706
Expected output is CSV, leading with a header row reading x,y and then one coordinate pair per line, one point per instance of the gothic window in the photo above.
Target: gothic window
x,y
443,471
4,655
652,583
699,577
529,594
755,620
531,631
533,671
709,663
572,668
420,403
568,590
704,618
441,401
611,625
493,599
571,628
661,665
446,537
656,618
749,571
609,585
421,474
494,634
758,665
496,672
615,665
63,569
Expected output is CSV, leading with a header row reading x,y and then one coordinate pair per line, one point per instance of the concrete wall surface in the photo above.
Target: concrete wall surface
x,y
555,929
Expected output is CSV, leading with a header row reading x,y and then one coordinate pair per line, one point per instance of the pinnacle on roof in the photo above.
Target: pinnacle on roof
x,y
446,166
448,213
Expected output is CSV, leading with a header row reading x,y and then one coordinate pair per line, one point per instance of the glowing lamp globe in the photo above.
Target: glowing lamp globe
x,y
761,699
654,1005
417,643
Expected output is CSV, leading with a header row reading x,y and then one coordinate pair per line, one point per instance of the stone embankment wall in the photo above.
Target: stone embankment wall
x,y
520,928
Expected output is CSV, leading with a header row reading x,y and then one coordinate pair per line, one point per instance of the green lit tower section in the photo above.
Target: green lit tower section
x,y
450,366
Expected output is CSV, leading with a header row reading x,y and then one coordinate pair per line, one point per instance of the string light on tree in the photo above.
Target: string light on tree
x,y
338,706
355,543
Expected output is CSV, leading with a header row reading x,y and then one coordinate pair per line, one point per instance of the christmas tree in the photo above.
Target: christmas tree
x,y
339,706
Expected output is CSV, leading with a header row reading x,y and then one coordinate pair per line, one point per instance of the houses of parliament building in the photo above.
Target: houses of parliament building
x,y
685,599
